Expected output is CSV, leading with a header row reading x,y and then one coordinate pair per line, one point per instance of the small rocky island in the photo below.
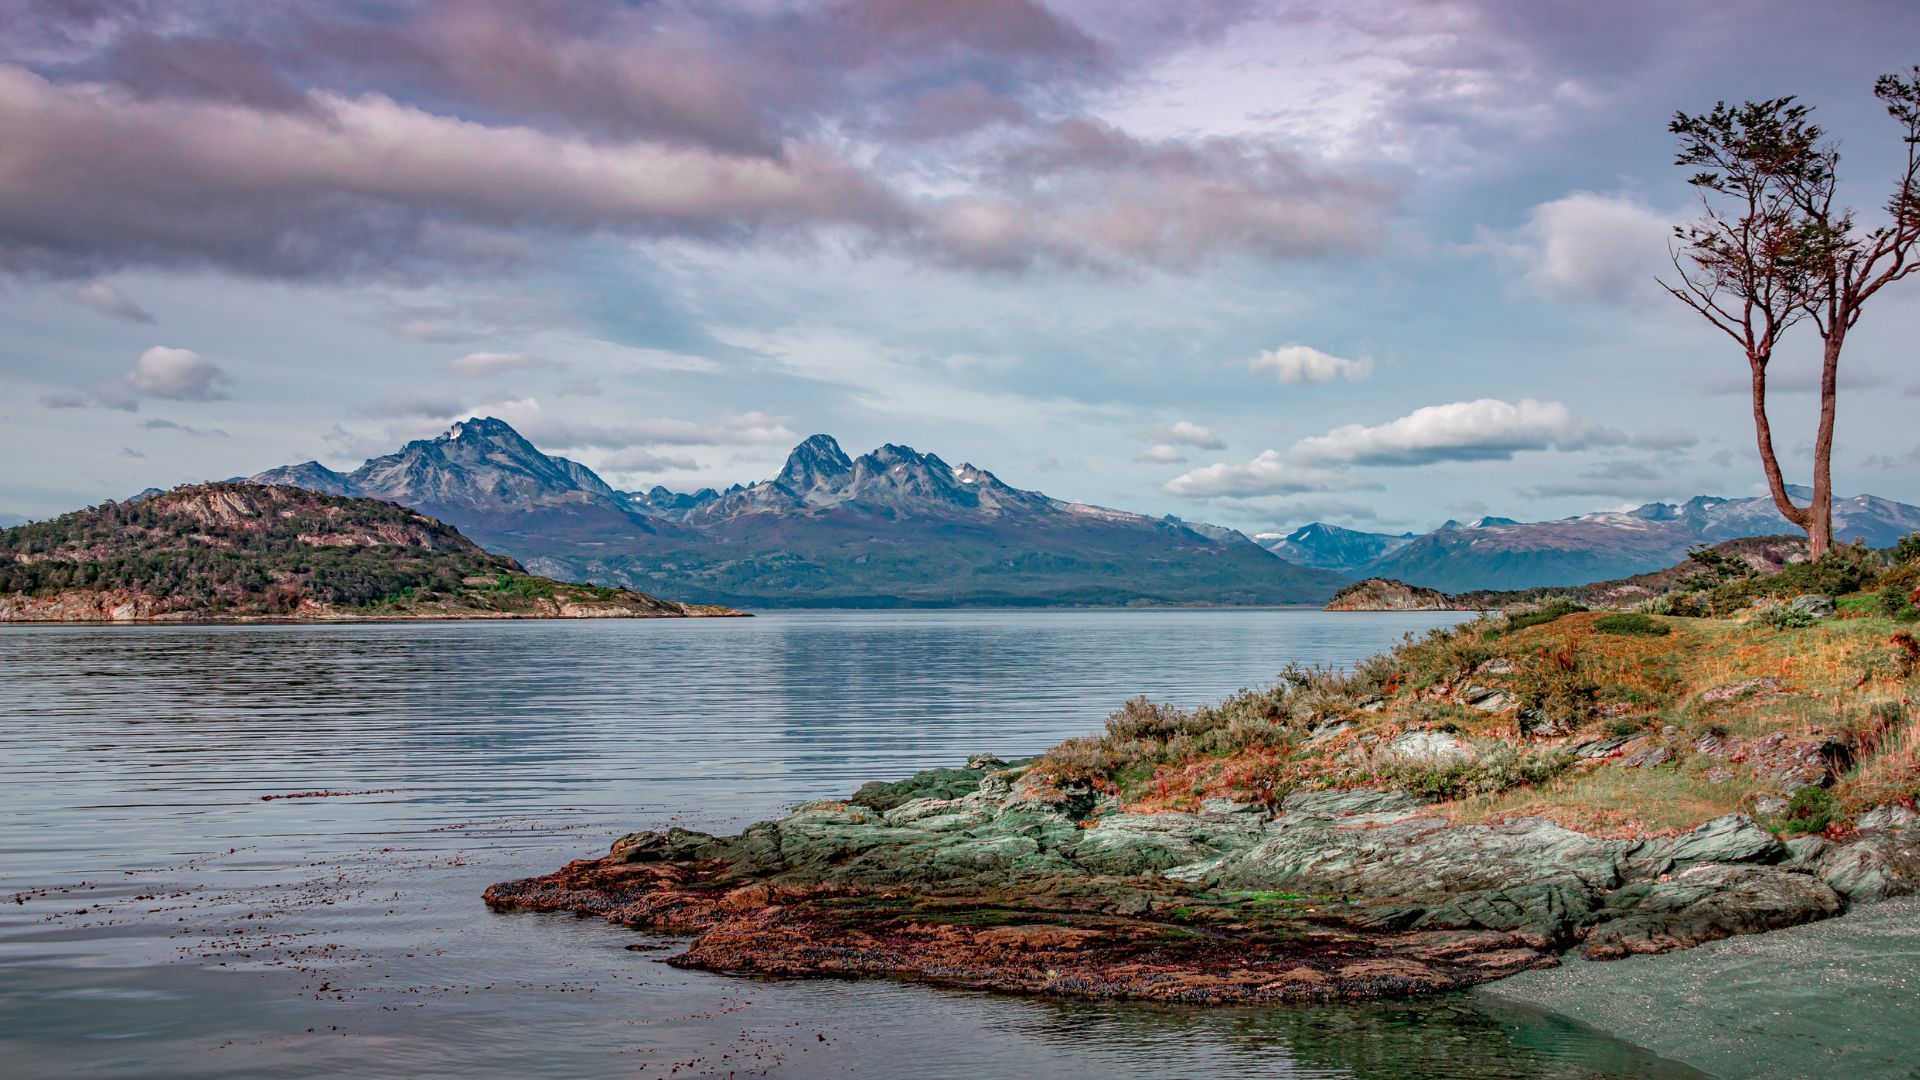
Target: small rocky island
x,y
1475,803
1385,594
240,552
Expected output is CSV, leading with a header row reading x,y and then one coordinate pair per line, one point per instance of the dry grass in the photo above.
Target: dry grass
x,y
1608,801
1843,680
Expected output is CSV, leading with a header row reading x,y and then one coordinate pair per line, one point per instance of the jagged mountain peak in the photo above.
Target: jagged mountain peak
x,y
478,463
1331,547
816,463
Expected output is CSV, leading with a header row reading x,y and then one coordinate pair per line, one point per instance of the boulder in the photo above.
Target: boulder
x,y
1734,838
1706,903
1429,748
1890,816
1820,607
1877,866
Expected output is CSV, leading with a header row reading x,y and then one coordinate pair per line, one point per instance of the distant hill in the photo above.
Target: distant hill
x,y
891,528
245,551
1503,554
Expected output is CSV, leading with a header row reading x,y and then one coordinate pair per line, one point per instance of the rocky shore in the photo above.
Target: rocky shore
x,y
991,877
1478,802
138,606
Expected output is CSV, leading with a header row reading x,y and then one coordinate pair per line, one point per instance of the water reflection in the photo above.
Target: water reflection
x,y
174,923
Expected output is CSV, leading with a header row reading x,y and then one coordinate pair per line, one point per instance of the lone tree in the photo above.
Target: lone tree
x,y
1772,249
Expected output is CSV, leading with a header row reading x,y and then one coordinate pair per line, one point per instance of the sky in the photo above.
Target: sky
x,y
1377,264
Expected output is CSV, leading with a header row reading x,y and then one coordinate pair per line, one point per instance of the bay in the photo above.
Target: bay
x,y
238,851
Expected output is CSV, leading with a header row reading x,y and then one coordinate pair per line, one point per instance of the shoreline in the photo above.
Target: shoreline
x,y
984,878
321,620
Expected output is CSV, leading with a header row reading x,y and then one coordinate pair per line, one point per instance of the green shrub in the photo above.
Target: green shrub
x,y
1810,810
1785,617
1498,771
1908,549
1631,624
1895,602
1626,725
1547,611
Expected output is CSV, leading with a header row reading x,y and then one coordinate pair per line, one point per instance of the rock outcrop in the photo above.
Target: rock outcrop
x,y
990,877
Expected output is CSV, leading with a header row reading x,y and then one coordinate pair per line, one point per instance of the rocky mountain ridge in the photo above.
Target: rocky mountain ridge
x,y
1495,553
893,527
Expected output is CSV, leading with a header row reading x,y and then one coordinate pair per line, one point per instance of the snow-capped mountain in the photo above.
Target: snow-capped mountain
x,y
1501,553
892,527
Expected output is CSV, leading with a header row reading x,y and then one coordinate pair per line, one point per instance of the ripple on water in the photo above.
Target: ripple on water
x,y
174,922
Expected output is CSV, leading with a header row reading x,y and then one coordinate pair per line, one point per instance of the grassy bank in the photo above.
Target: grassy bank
x,y
1613,723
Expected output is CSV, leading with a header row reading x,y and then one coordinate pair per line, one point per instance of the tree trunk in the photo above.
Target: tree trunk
x,y
1820,527
1768,461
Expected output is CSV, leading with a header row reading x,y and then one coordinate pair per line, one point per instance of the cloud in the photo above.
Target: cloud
x,y
1303,364
485,365
177,375
1161,454
1268,474
423,404
465,135
1086,194
130,452
1334,511
366,184
1486,429
735,429
581,386
111,302
1185,433
1666,439
644,461
1627,478
184,429
1587,246
1799,379
1888,461
66,399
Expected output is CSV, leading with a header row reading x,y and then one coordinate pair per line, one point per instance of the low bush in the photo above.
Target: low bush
x,y
1547,611
1632,624
1908,549
1554,692
1784,617
1499,771
1810,810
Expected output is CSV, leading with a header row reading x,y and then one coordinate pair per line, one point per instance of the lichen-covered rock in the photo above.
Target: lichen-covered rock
x,y
1878,866
1820,607
1734,838
1419,858
992,877
1745,688
1706,903
1428,747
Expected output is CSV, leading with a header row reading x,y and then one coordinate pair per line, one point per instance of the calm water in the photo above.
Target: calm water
x,y
169,920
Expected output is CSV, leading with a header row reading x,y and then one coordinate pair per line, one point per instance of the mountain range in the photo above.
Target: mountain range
x,y
891,528
1501,553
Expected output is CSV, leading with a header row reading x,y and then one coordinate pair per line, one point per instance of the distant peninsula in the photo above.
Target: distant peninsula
x,y
240,552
